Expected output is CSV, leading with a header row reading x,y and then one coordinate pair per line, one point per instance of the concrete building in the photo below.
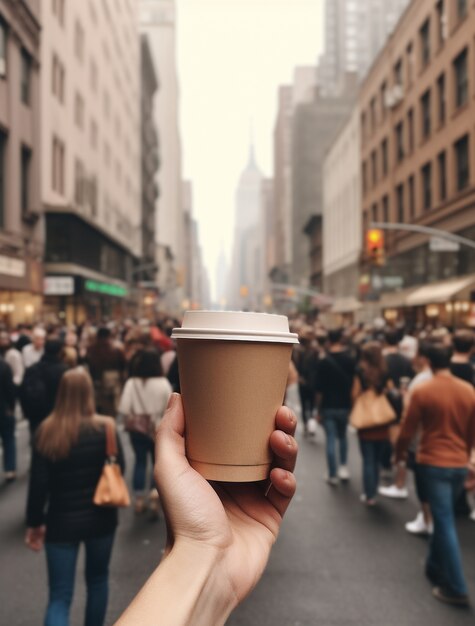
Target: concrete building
x,y
418,159
21,222
222,277
354,31
342,242
246,265
158,21
91,161
314,127
268,243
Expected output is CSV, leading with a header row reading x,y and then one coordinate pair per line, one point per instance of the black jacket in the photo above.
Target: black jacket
x,y
7,389
48,371
66,489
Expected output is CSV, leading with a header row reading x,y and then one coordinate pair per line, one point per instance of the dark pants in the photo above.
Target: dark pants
x,y
442,486
7,434
371,451
307,400
335,423
61,562
143,448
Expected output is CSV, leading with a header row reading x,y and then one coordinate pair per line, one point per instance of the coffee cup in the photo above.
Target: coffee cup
x,y
233,370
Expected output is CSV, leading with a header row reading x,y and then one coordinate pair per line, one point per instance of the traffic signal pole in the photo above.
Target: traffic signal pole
x,y
425,230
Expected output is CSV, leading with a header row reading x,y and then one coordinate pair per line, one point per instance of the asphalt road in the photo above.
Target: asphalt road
x,y
335,563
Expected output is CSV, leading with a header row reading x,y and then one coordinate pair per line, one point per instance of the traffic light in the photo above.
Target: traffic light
x,y
375,246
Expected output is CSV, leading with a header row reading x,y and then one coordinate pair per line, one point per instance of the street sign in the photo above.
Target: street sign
x,y
439,244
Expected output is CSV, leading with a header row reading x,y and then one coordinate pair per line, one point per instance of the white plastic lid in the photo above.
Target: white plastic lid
x,y
235,326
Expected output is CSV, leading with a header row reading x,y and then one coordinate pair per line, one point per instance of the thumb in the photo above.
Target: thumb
x,y
170,442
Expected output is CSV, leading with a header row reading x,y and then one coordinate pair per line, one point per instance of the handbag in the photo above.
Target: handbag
x,y
139,422
372,410
111,490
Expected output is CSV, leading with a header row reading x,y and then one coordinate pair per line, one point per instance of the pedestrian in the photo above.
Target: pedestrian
x,y
68,457
305,359
463,342
12,356
219,538
334,383
444,410
372,374
107,367
7,420
41,383
143,403
32,352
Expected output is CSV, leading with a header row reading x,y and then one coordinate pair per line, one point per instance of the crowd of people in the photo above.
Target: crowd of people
x,y
410,397
414,392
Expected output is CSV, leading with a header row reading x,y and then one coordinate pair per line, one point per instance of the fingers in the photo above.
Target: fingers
x,y
282,489
285,450
285,420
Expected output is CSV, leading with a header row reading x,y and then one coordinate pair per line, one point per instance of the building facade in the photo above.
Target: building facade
x,y
158,21
342,242
91,161
418,153
21,220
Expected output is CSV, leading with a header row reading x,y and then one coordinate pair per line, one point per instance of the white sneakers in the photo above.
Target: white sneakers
x,y
400,493
332,480
472,515
343,473
419,526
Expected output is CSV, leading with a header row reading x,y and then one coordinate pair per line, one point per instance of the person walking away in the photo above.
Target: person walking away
x,y
12,357
305,360
444,410
40,385
7,420
463,343
33,351
68,457
143,402
334,383
107,366
371,373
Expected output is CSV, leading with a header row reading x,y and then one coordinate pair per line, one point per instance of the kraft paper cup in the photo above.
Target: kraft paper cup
x,y
233,372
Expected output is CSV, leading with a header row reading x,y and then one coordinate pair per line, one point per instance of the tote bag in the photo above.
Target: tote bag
x,y
372,410
111,489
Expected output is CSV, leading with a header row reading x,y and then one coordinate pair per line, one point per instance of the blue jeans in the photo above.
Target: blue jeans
x,y
442,486
61,562
371,451
7,434
335,423
143,447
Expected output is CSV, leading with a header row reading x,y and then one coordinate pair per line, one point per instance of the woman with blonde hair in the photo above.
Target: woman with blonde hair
x,y
68,458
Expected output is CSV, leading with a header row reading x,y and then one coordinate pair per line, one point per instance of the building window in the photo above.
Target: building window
x,y
442,167
461,8
25,81
461,78
363,128
410,130
425,114
58,10
57,78
383,93
462,162
441,22
426,175
374,212
79,182
3,177
386,217
57,169
3,50
79,111
372,109
424,34
94,135
441,98
384,156
398,72
412,196
399,134
400,203
374,167
410,63
79,41
25,167
364,175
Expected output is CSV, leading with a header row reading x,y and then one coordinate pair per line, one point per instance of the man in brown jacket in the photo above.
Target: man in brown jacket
x,y
444,411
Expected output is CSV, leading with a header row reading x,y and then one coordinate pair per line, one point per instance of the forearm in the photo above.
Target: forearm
x,y
185,590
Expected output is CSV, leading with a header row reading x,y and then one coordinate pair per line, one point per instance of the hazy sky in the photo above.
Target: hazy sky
x,y
232,56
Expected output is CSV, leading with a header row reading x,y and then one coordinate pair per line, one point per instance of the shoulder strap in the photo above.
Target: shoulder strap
x,y
139,396
111,443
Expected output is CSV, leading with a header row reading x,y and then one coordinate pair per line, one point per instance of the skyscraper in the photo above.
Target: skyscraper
x,y
355,31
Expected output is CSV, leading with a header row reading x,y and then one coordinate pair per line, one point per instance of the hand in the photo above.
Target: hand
x,y
240,521
35,538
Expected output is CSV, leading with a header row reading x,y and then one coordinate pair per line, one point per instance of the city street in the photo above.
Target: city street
x,y
336,562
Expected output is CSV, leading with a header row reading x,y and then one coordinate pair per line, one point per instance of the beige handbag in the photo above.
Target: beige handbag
x,y
111,489
372,410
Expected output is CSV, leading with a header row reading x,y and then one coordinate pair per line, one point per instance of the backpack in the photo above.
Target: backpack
x,y
33,394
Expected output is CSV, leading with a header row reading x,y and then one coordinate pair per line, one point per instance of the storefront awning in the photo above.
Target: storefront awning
x,y
439,292
346,305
